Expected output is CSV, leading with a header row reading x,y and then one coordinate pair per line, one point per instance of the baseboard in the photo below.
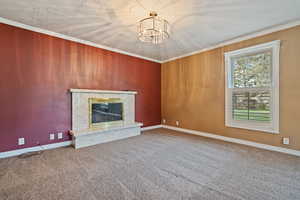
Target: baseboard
x,y
208,135
33,149
151,127
234,140
52,146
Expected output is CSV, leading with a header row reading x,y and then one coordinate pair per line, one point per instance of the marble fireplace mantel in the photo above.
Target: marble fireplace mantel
x,y
102,91
83,135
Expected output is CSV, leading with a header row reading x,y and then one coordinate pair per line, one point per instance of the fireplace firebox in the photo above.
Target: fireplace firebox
x,y
105,112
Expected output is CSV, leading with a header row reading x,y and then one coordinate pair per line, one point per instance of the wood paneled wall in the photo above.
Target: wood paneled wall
x,y
36,72
193,90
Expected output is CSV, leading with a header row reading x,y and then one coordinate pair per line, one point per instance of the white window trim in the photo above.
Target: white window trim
x,y
272,127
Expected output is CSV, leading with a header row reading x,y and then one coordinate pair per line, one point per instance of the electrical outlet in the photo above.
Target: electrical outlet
x,y
286,140
60,135
21,141
52,136
163,121
177,123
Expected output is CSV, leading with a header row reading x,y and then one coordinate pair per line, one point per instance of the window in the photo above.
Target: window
x,y
252,88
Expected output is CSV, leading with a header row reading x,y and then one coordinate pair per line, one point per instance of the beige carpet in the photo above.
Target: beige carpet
x,y
159,164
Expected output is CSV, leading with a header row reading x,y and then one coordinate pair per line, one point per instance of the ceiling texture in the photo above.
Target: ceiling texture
x,y
195,24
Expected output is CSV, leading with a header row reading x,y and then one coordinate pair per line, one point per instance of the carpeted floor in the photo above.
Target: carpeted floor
x,y
159,164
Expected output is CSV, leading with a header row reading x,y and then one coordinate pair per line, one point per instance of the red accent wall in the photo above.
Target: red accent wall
x,y
37,70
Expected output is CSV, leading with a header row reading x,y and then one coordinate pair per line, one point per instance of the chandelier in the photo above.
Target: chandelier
x,y
153,29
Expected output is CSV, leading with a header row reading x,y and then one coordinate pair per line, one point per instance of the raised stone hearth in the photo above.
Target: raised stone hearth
x,y
100,116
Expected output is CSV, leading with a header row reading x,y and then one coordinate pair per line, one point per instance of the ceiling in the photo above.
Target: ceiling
x,y
195,24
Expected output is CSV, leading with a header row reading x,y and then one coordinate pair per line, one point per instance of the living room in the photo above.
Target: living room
x,y
141,99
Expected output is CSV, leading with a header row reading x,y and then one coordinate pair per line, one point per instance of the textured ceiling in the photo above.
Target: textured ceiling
x,y
195,24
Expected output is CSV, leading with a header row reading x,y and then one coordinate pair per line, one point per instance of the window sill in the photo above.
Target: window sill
x,y
251,127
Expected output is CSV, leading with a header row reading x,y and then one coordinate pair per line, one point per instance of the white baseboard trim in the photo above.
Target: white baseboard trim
x,y
17,152
234,140
151,127
33,149
194,132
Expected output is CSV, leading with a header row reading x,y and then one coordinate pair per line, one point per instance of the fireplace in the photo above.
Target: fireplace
x,y
100,116
105,112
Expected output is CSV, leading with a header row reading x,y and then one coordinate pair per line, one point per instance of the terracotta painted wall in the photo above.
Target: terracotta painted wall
x,y
193,91
37,70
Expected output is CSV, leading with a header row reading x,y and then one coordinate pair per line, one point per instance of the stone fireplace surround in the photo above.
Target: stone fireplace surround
x,y
83,135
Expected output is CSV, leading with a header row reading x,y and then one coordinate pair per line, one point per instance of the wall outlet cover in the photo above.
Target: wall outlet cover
x,y
286,140
163,121
21,141
60,135
52,136
177,123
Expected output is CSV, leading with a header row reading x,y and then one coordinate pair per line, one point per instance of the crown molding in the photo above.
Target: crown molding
x,y
228,42
241,38
66,37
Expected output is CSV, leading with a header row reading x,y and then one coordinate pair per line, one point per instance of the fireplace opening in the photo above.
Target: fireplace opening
x,y
105,112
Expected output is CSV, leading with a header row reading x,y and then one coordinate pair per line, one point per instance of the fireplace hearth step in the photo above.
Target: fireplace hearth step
x,y
89,137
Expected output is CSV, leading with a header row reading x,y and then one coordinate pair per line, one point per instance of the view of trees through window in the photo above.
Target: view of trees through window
x,y
251,81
